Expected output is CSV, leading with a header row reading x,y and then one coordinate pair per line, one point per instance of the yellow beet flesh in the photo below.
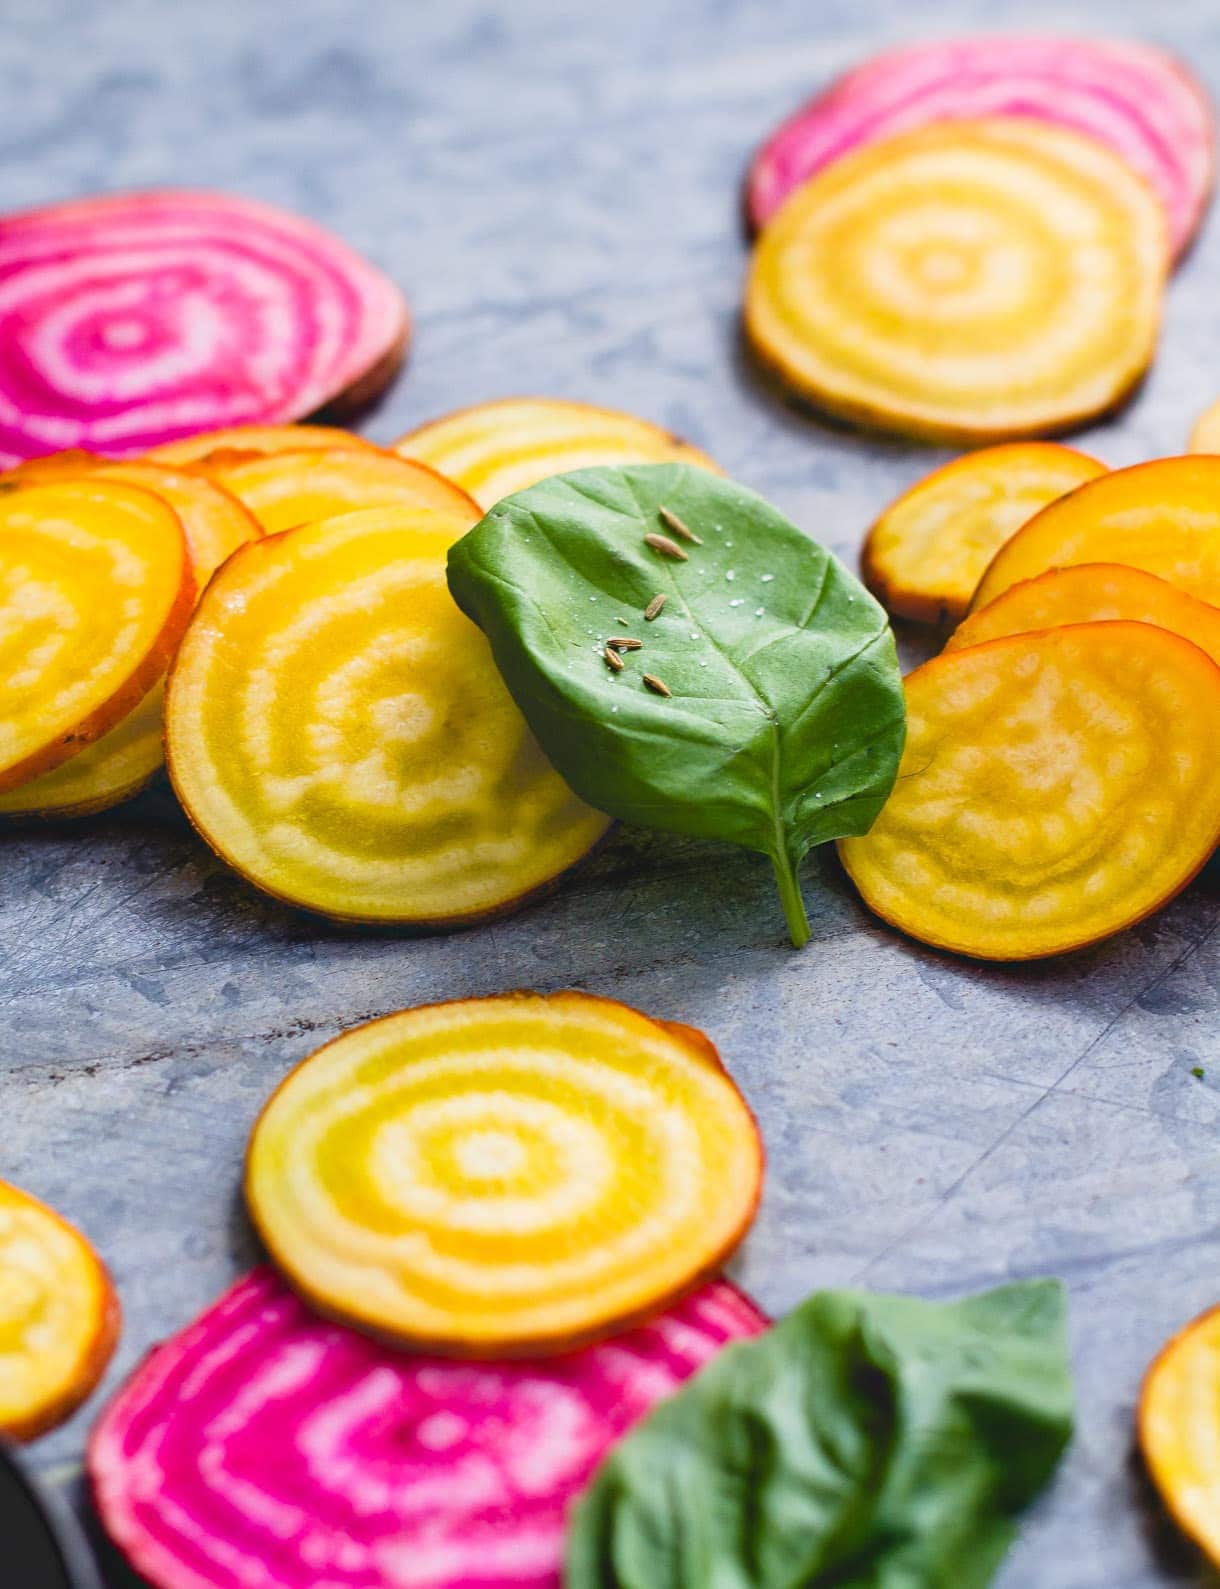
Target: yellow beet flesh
x,y
497,448
95,588
284,489
1205,436
259,439
504,1177
112,769
337,730
1179,1429
1163,517
59,1316
1092,593
925,555
969,281
1055,788
119,764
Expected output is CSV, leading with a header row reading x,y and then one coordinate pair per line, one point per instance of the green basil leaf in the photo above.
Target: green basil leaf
x,y
785,723
866,1442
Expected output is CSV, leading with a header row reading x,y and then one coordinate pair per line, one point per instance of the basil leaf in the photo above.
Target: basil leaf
x,y
866,1442
786,720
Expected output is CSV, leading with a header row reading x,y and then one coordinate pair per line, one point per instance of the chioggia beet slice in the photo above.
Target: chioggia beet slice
x,y
968,282
59,1316
1092,593
96,586
260,439
1134,98
497,448
132,319
284,489
1056,788
508,1176
119,764
263,1445
337,731
925,555
1163,517
1179,1429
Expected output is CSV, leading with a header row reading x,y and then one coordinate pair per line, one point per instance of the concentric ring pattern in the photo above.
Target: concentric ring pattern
x,y
131,319
504,1176
1055,788
497,448
337,731
59,1316
72,665
121,762
284,489
969,281
1134,98
262,1445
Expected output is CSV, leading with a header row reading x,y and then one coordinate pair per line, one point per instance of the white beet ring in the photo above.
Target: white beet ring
x,y
132,319
1132,97
264,1445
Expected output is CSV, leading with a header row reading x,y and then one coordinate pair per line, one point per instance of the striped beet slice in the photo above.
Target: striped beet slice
x,y
129,320
1133,97
264,1446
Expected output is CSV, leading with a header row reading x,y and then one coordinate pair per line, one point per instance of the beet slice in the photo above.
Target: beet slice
x,y
129,320
262,1445
1133,97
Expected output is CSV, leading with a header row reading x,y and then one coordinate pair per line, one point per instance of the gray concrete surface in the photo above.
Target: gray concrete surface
x,y
556,186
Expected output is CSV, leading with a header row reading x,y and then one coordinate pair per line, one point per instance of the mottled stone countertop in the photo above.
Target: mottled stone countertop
x,y
556,187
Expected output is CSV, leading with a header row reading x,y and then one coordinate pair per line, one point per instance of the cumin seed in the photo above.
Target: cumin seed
x,y
666,547
679,526
654,606
656,685
624,642
612,659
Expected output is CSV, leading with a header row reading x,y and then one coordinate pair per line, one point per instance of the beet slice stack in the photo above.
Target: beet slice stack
x,y
129,320
1132,97
264,1445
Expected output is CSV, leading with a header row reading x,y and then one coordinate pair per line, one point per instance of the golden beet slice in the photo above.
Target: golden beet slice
x,y
1055,788
257,438
104,774
1092,593
968,281
925,555
1205,436
497,448
59,1316
504,1177
284,489
337,730
215,522
95,589
1179,1429
119,764
1163,517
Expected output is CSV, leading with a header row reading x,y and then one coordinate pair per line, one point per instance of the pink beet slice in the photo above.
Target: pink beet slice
x,y
133,319
1133,97
264,1446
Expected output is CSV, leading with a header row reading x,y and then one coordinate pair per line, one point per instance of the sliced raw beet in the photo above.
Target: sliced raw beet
x,y
129,320
1133,97
263,1445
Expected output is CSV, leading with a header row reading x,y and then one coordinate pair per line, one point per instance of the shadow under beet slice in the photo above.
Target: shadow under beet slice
x,y
132,319
263,1438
